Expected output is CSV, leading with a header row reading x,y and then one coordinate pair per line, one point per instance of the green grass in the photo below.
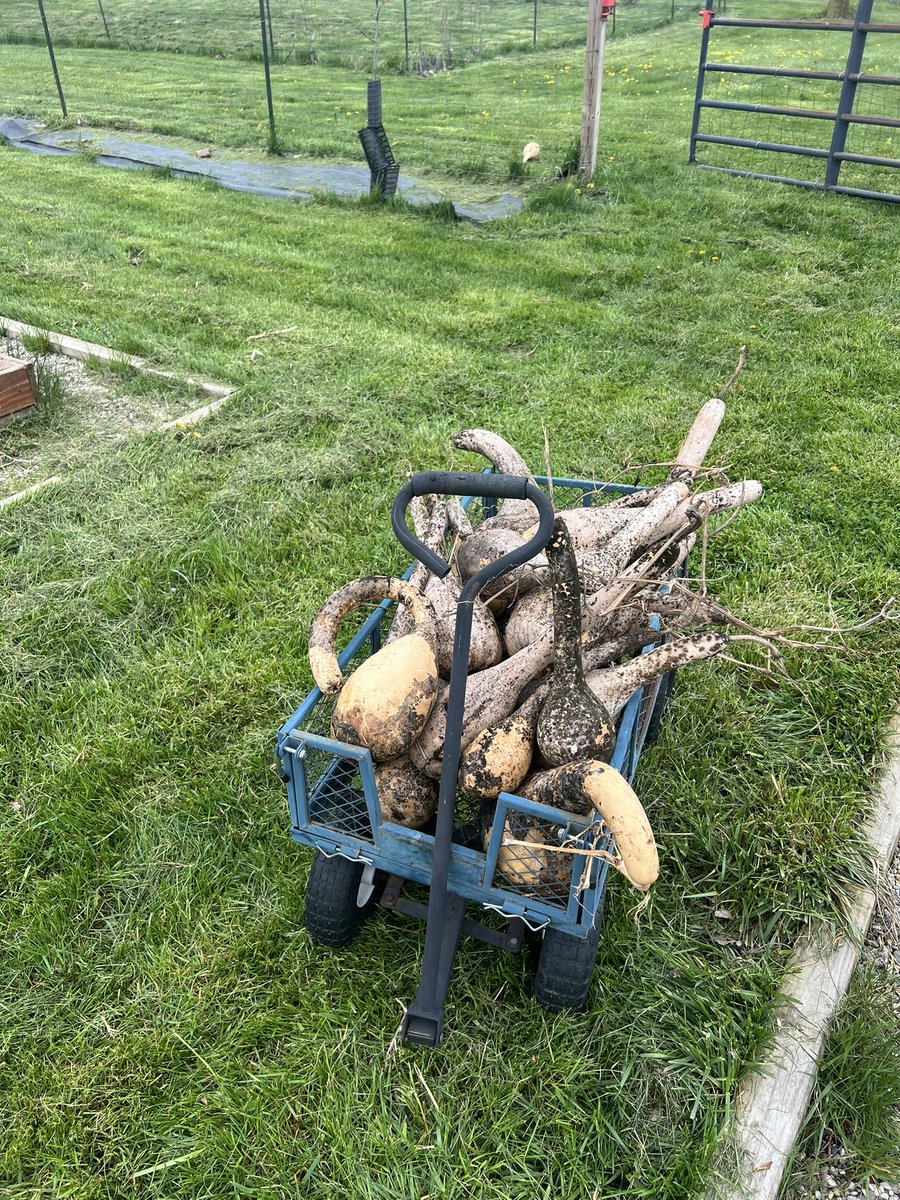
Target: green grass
x,y
856,1103
168,1027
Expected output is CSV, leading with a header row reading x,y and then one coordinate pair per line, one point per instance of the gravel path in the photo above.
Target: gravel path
x,y
95,407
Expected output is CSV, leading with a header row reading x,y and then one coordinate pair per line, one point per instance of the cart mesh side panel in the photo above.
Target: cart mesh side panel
x,y
545,867
334,785
532,870
337,800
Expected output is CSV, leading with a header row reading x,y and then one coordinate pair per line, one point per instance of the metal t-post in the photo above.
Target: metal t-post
x,y
49,40
406,32
534,24
273,136
269,23
706,15
848,92
103,18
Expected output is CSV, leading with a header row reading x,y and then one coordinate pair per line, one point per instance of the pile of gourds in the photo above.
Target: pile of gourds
x,y
555,653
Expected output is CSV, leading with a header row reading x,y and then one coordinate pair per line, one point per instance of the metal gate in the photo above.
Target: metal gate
x,y
837,122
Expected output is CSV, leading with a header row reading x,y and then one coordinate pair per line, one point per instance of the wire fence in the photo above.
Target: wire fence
x,y
412,35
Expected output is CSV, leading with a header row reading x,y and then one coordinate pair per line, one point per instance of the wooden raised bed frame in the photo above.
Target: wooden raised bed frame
x,y
18,388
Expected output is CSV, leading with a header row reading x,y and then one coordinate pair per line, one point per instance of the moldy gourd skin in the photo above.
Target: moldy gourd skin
x,y
406,796
573,723
498,759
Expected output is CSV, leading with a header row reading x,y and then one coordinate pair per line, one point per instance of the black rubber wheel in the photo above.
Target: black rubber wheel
x,y
565,968
333,917
663,696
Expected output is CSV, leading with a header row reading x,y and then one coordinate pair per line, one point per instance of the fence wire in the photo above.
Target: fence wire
x,y
413,35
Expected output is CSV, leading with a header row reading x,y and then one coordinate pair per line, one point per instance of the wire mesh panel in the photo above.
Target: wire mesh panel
x,y
336,799
415,35
539,859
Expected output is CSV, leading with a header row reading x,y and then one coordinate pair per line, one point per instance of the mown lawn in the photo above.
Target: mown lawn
x,y
168,1029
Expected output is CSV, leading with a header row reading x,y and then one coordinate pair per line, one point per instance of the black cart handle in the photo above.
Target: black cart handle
x,y
467,483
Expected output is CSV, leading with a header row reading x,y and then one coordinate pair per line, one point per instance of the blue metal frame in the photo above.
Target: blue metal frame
x,y
407,852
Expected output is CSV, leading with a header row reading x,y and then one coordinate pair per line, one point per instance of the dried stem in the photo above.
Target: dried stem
x,y
742,360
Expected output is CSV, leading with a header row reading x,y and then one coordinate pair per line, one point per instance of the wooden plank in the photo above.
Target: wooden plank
x,y
76,348
18,389
29,491
773,1101
192,418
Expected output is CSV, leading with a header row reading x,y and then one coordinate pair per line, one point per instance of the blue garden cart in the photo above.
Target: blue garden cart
x,y
362,860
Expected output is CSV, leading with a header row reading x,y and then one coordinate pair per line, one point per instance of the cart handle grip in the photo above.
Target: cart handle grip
x,y
465,483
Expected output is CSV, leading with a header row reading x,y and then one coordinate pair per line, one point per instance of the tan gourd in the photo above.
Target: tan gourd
x,y
690,457
583,786
483,547
406,796
386,702
589,528
531,617
498,759
691,512
505,459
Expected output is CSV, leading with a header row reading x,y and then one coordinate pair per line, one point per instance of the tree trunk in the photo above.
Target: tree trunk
x,y
838,10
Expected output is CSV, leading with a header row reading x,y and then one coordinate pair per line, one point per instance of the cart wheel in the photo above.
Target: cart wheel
x,y
334,914
565,967
663,696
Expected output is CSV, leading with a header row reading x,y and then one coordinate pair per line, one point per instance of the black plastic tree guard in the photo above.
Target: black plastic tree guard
x,y
384,168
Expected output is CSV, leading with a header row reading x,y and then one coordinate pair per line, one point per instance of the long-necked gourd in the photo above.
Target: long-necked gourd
x,y
689,460
579,787
386,702
615,686
505,459
573,723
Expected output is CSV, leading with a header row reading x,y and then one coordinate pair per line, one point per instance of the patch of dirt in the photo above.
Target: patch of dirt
x,y
81,408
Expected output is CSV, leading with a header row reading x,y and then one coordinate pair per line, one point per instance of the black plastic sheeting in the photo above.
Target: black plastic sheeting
x,y
276,180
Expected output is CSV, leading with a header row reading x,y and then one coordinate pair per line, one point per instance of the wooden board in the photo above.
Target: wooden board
x,y
773,1100
76,348
18,388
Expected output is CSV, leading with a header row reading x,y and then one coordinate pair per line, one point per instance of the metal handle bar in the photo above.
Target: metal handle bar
x,y
424,1019
465,483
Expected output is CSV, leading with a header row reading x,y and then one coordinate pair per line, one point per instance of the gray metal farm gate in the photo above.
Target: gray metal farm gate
x,y
839,117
